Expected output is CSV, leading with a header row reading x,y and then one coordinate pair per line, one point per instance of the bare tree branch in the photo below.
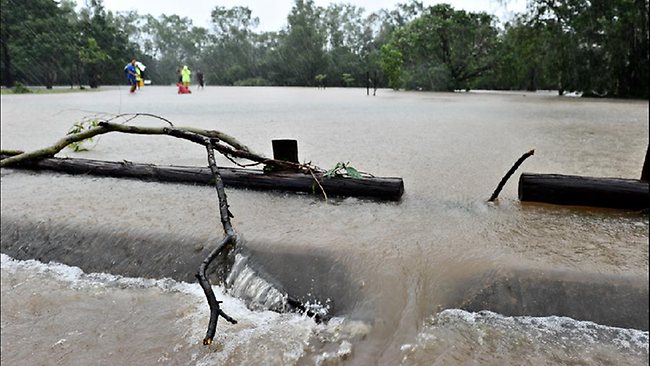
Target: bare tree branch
x,y
228,242
503,181
235,149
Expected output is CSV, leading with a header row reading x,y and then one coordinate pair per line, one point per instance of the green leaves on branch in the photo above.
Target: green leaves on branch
x,y
80,127
343,169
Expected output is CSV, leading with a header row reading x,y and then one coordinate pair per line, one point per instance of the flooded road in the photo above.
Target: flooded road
x,y
384,270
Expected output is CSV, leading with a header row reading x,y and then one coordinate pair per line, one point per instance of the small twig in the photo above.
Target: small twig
x,y
509,173
232,160
135,115
366,175
317,182
225,150
130,119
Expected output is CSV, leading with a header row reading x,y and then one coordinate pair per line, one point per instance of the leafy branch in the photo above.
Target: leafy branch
x,y
342,169
79,127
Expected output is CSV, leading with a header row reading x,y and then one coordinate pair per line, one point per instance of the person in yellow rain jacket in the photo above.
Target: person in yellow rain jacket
x,y
186,76
139,68
138,77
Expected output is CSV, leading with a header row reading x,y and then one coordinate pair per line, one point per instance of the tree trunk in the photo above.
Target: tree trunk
x,y
584,191
532,80
7,75
390,189
93,77
645,172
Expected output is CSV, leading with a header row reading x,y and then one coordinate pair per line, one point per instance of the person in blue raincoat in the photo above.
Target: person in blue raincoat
x,y
131,75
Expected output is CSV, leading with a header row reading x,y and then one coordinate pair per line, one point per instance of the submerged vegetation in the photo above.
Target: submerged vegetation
x,y
598,48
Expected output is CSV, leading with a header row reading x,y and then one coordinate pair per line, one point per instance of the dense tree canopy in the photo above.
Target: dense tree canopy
x,y
445,49
597,47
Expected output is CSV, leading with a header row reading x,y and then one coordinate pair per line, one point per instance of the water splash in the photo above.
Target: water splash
x,y
244,282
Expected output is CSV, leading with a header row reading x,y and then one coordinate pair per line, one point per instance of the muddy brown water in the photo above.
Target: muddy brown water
x,y
539,284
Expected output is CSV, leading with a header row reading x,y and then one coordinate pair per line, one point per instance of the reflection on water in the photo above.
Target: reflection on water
x,y
401,262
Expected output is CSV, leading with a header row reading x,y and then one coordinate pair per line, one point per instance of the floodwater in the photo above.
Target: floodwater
x,y
393,276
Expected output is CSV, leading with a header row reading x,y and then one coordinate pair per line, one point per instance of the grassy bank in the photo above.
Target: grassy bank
x,y
41,90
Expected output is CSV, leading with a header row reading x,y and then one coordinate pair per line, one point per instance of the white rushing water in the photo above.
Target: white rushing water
x,y
134,326
244,283
146,321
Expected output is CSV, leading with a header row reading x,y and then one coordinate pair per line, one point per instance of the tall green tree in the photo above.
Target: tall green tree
x,y
173,41
391,64
349,37
37,40
522,57
300,55
111,39
92,57
445,49
233,54
600,46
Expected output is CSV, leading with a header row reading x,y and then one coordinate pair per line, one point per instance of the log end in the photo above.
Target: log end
x,y
572,190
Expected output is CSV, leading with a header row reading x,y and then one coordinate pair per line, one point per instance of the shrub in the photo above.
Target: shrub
x,y
19,88
252,82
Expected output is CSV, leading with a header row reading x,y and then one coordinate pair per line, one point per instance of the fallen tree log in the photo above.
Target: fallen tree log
x,y
382,188
575,190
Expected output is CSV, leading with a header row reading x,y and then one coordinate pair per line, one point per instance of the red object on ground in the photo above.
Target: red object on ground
x,y
182,89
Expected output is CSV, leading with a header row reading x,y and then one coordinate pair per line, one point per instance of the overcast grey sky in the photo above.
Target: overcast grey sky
x,y
273,13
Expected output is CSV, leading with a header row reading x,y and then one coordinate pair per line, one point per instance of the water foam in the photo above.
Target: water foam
x,y
244,283
552,326
260,337
488,337
247,284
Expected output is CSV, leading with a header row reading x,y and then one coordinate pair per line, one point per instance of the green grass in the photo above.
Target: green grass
x,y
6,91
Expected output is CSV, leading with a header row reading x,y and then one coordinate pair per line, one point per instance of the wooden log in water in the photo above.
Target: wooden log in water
x,y
574,190
381,188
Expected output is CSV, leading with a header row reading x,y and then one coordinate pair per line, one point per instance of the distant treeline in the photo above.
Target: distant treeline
x,y
597,47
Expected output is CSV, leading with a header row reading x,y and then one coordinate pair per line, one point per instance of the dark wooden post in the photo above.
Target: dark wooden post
x,y
367,82
645,172
286,150
374,84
